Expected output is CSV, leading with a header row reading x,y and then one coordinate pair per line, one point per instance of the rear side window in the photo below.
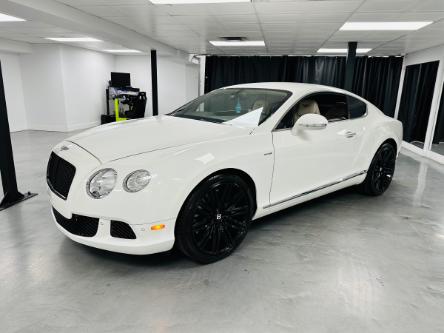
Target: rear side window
x,y
356,108
332,106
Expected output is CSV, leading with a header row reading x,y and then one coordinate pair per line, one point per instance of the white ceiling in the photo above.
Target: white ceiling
x,y
288,27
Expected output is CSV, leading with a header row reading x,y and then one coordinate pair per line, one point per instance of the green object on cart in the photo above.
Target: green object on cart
x,y
116,110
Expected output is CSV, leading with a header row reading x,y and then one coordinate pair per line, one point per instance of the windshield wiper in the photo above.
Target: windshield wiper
x,y
211,120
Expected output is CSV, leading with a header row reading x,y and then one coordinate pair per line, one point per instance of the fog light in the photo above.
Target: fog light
x,y
157,227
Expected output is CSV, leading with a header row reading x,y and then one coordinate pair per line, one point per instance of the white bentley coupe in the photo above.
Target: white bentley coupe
x,y
197,177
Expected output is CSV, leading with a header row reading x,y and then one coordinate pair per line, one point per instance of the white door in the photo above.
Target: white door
x,y
315,158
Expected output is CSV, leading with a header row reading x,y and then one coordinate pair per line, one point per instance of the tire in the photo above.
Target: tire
x,y
381,170
215,218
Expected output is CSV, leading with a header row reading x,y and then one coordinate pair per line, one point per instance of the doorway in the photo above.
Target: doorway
x,y
416,101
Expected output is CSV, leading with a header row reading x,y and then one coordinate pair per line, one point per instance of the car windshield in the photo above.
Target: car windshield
x,y
247,107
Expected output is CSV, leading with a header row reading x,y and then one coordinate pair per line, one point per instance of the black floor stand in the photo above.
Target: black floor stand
x,y
9,201
7,168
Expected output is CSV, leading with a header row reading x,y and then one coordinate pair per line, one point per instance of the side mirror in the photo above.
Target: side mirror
x,y
310,121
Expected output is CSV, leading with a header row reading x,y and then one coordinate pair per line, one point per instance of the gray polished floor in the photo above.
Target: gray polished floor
x,y
343,263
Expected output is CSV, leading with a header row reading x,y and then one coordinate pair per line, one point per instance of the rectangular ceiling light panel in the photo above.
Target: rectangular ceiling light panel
x,y
384,26
9,18
336,51
123,51
74,39
238,43
189,2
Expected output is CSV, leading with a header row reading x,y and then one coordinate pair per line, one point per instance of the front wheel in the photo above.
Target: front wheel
x,y
380,174
215,218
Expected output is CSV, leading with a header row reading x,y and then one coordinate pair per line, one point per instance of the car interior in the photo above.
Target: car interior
x,y
330,105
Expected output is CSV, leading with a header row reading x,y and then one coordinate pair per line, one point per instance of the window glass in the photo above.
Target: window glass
x,y
237,106
356,107
330,105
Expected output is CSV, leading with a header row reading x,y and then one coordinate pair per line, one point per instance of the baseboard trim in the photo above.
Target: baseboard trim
x,y
48,128
80,126
59,128
424,153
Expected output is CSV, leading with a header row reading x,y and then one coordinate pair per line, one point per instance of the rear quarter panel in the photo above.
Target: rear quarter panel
x,y
378,129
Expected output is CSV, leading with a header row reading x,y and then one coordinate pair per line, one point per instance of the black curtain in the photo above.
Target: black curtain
x,y
416,99
329,71
376,79
221,71
439,128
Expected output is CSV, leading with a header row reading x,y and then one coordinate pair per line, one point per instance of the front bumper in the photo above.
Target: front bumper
x,y
146,241
130,210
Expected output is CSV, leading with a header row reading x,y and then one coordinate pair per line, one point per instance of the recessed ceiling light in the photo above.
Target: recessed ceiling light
x,y
188,2
335,51
237,43
378,26
73,39
123,51
9,18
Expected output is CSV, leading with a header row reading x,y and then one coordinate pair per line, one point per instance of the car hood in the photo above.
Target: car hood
x,y
117,140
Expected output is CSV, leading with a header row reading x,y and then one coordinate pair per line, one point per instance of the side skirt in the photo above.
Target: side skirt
x,y
357,174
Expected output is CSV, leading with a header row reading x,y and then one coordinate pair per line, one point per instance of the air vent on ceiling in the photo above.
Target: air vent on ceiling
x,y
232,38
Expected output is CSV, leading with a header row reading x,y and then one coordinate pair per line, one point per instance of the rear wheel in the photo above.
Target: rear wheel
x,y
380,174
215,218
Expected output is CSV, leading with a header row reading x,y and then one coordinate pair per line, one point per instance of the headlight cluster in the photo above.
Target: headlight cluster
x,y
103,182
136,181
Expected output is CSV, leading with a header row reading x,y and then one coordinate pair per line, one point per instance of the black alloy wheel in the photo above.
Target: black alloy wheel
x,y
380,173
215,218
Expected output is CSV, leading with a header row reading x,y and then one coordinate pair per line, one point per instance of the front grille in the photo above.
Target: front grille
x,y
122,230
59,175
78,225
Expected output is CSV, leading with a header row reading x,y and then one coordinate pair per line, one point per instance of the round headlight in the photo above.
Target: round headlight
x,y
101,183
136,181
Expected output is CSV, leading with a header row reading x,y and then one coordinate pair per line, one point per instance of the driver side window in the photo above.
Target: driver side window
x,y
332,106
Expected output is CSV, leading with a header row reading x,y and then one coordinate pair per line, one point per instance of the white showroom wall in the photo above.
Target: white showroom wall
x,y
43,88
85,76
15,101
178,83
192,72
177,79
62,88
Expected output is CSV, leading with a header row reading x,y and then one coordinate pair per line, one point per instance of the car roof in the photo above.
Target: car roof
x,y
295,88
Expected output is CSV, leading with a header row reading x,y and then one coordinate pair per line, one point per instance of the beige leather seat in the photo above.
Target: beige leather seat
x,y
305,107
258,104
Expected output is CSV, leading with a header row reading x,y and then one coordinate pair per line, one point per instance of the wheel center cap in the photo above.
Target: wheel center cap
x,y
218,217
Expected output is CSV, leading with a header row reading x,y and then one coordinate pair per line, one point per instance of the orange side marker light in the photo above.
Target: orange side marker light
x,y
157,227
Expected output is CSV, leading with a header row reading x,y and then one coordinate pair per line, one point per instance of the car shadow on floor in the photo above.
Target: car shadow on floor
x,y
174,258
164,259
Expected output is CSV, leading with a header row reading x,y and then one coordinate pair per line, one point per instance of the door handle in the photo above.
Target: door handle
x,y
349,134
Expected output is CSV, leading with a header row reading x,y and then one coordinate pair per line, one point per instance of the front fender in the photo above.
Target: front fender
x,y
177,171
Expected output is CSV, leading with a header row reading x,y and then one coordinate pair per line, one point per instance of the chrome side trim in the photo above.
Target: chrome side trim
x,y
317,189
316,126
